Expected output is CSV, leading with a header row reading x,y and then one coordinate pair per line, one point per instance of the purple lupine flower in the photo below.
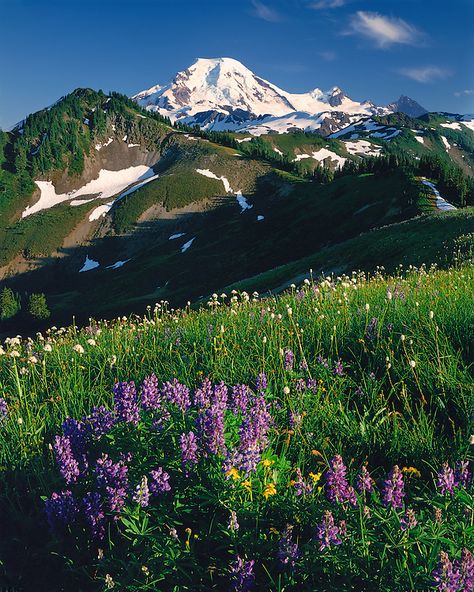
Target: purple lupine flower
x,y
141,496
94,514
210,429
302,488
295,420
202,395
371,332
61,510
240,398
177,393
3,409
159,481
241,575
67,462
446,577
188,445
338,369
303,365
261,382
364,481
233,524
337,486
445,481
462,475
126,403
300,385
466,569
327,532
113,477
288,359
150,393
288,552
100,421
408,521
393,490
219,396
323,361
342,528
300,294
76,431
312,385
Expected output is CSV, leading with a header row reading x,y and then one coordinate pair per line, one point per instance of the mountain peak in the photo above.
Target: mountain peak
x,y
408,106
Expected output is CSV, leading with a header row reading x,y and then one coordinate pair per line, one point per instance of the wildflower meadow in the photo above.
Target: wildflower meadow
x,y
321,439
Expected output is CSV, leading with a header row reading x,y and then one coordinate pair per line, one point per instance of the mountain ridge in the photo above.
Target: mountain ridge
x,y
223,94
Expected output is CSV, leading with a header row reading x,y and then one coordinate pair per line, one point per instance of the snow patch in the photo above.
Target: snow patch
x,y
100,146
447,145
278,151
453,125
208,173
441,203
243,203
108,184
133,145
89,264
420,139
321,155
100,212
186,246
362,147
117,264
260,218
177,235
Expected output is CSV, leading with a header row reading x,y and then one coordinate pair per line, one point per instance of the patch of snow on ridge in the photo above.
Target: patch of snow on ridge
x,y
117,264
420,139
454,125
363,147
133,145
243,203
108,184
208,173
447,145
177,235
321,155
100,211
242,140
89,264
441,203
99,146
260,218
278,151
186,246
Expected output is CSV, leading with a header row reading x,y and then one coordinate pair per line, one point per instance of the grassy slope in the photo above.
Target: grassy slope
x,y
374,412
425,239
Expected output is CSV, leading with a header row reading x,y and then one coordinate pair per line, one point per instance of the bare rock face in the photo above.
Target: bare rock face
x,y
407,106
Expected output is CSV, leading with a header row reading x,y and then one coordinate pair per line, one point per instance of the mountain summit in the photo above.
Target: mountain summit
x,y
222,93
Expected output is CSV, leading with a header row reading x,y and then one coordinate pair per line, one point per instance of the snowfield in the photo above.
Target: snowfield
x,y
89,264
441,203
420,139
447,145
186,246
117,264
178,235
454,125
100,146
243,203
321,155
363,147
100,212
108,184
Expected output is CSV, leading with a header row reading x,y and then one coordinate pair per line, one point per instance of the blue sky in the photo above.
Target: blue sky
x,y
373,49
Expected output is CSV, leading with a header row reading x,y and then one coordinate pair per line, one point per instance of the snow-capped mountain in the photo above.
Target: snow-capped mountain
x,y
222,94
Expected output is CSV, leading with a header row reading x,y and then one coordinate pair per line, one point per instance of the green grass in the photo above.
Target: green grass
x,y
405,397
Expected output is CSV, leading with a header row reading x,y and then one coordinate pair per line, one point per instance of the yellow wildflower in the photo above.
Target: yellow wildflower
x,y
315,477
247,485
411,472
267,463
234,473
269,490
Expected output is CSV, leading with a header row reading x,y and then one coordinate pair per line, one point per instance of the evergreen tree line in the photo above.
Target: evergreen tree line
x,y
33,305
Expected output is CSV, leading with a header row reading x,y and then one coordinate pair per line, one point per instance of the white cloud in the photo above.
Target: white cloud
x,y
384,30
322,4
266,13
425,74
468,91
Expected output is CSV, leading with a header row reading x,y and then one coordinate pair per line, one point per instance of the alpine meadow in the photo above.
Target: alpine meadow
x,y
237,321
